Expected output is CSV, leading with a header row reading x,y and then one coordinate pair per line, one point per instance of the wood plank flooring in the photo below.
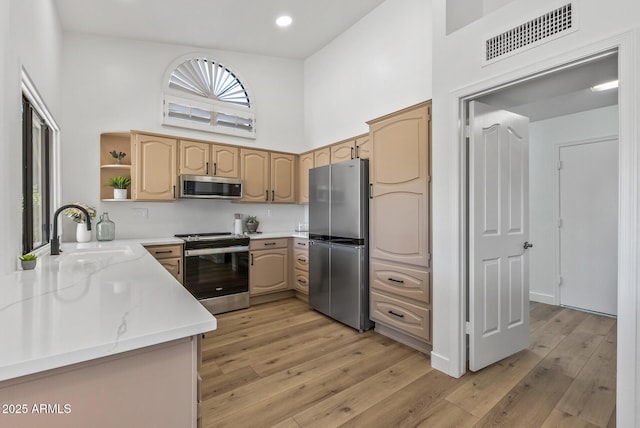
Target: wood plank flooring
x,y
281,364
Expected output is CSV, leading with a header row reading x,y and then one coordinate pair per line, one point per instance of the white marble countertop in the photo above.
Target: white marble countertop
x,y
94,300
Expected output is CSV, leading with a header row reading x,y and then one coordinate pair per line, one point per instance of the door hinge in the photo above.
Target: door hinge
x,y
467,327
559,222
559,164
467,131
559,280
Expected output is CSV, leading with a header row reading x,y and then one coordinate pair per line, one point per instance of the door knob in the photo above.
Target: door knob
x,y
527,245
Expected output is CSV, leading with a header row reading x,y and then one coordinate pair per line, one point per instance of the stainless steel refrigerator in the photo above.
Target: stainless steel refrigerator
x,y
338,242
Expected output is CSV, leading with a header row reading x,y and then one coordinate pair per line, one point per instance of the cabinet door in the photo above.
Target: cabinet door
x,y
268,271
174,266
343,151
400,176
194,157
283,170
363,147
322,157
225,162
156,168
254,169
305,164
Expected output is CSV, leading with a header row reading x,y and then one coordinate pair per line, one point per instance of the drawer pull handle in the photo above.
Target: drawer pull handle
x,y
164,252
397,315
269,243
399,281
302,281
302,260
302,243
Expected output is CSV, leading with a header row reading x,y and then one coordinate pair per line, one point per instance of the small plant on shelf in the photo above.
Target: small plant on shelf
x,y
118,156
28,261
119,182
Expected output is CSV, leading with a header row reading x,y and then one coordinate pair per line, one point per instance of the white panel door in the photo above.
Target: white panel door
x,y
498,230
588,181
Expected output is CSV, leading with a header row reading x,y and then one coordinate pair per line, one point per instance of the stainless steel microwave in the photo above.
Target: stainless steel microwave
x,y
206,187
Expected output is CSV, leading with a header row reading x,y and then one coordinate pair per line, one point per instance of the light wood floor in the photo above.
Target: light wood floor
x,y
281,364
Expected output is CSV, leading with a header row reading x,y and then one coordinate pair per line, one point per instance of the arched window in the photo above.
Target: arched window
x,y
203,94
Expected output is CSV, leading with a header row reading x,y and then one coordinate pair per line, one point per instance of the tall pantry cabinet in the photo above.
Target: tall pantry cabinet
x,y
400,231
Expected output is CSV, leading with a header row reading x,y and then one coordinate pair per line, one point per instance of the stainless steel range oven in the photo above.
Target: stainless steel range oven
x,y
216,270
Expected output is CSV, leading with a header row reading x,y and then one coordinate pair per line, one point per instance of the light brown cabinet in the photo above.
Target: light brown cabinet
x,y
400,225
199,158
301,265
154,168
305,163
268,266
322,157
267,176
400,176
352,148
169,256
109,166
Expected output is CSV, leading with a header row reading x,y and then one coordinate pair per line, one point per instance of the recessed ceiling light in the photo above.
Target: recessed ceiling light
x,y
284,21
605,86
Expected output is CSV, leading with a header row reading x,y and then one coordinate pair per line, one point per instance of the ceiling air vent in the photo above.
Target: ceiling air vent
x,y
541,29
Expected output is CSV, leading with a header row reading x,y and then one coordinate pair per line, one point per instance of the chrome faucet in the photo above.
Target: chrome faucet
x,y
55,239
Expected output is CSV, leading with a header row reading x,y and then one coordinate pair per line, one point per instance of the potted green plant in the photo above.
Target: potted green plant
x,y
252,224
119,184
28,261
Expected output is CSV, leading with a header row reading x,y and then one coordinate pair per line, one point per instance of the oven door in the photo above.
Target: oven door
x,y
216,272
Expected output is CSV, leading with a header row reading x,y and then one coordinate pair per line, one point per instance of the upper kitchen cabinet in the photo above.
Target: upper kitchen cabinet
x,y
110,166
155,168
322,157
200,158
267,177
305,163
283,177
352,148
400,175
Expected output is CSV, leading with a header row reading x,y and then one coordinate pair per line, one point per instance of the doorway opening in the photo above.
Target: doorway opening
x,y
559,207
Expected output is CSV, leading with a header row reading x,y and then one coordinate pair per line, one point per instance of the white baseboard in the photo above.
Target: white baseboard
x,y
542,298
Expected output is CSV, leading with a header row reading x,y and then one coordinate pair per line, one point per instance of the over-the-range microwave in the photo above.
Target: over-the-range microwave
x,y
206,187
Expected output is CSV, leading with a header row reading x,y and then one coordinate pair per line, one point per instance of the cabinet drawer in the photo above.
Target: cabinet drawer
x,y
406,317
301,260
301,281
400,280
267,244
301,243
165,251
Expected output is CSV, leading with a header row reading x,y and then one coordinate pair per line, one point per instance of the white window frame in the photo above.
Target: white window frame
x,y
216,107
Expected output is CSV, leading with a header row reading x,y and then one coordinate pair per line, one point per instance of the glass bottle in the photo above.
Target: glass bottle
x,y
105,229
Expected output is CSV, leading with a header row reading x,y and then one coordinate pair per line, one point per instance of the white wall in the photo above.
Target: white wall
x,y
544,137
379,65
458,71
30,37
114,84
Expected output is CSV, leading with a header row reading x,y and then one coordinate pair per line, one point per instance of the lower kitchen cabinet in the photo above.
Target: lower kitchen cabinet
x,y
268,265
301,266
169,256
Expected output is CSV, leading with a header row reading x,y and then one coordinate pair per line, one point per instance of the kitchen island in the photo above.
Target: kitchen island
x,y
101,334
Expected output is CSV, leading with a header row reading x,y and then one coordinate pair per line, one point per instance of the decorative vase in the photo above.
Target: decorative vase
x,y
105,229
28,264
252,227
119,193
82,234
